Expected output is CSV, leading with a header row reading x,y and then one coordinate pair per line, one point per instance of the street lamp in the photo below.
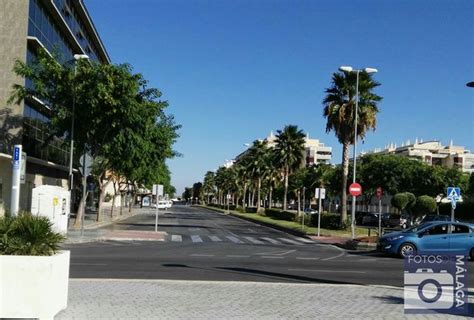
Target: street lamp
x,y
77,57
357,71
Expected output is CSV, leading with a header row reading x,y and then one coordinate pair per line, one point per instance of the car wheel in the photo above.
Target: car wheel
x,y
406,250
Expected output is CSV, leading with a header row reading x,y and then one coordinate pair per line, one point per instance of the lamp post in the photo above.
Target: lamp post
x,y
71,152
357,71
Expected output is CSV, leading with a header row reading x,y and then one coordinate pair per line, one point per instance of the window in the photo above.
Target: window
x,y
439,229
457,228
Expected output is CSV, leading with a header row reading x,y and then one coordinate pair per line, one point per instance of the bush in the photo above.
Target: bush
x,y
280,215
328,221
424,205
400,201
251,209
27,234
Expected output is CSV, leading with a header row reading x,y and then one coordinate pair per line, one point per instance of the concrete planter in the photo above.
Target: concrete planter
x,y
33,286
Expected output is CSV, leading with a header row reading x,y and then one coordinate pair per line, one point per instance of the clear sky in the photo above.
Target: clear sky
x,y
233,70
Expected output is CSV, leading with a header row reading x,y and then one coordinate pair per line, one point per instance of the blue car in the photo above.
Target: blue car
x,y
436,237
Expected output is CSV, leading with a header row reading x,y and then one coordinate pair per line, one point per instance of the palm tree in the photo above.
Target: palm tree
x,y
209,184
339,110
259,155
289,153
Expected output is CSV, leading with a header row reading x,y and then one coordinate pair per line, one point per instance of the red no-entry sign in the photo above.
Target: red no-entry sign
x,y
355,189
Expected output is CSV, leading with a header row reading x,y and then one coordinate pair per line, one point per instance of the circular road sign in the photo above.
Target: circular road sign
x,y
379,192
355,189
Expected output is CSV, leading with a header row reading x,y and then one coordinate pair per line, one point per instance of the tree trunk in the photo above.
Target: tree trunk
x,y
259,185
102,187
113,200
345,173
286,189
80,211
253,197
270,197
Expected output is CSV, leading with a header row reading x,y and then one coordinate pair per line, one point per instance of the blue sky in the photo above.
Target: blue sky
x,y
233,71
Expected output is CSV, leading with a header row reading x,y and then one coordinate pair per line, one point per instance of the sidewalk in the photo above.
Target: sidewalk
x,y
174,299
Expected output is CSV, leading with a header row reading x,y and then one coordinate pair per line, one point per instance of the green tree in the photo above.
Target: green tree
x,y
259,157
424,205
400,201
209,184
339,110
289,154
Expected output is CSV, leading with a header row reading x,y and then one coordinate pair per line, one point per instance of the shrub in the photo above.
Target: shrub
x,y
280,215
251,210
424,205
27,234
400,201
328,221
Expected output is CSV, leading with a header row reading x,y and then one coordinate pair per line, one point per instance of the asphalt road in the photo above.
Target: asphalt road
x,y
207,245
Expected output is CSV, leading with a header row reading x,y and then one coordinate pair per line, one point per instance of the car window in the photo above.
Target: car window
x,y
438,229
458,228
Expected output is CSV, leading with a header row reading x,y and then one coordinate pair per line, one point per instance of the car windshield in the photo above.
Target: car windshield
x,y
415,229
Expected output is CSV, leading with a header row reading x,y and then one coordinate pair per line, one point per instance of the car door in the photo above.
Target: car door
x,y
434,238
461,238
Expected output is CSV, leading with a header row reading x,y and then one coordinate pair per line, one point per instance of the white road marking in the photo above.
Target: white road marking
x,y
253,240
322,270
272,257
237,256
234,239
304,240
276,253
176,237
335,257
215,238
304,258
273,241
196,238
288,241
201,255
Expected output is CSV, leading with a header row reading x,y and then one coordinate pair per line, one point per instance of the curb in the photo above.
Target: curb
x,y
96,225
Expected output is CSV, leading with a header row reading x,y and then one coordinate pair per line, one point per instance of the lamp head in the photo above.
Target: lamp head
x,y
346,68
370,70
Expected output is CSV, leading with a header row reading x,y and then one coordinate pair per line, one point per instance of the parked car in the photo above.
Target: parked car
x,y
433,237
169,204
372,219
395,220
162,204
433,218
310,211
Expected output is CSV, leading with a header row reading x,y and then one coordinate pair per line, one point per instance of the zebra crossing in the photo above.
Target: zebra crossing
x,y
254,240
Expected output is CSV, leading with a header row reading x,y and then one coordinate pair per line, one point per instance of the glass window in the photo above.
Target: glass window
x,y
438,229
457,228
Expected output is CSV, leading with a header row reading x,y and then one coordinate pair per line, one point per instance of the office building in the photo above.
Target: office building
x,y
63,28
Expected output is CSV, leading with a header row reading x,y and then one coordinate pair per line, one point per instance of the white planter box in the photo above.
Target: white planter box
x,y
33,286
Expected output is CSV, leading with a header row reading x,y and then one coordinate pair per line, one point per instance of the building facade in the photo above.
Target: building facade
x,y
433,153
63,28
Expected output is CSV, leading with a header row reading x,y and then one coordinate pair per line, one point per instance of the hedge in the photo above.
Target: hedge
x,y
464,211
328,221
280,215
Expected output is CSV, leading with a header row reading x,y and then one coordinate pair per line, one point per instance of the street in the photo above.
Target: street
x,y
206,245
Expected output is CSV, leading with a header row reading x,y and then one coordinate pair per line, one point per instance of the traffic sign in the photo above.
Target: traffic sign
x,y
379,193
158,190
355,189
320,193
454,193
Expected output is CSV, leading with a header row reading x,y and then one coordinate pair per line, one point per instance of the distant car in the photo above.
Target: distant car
x,y
162,204
435,237
371,219
395,220
434,217
310,211
169,204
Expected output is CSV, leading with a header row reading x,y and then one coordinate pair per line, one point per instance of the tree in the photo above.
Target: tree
x,y
122,124
197,191
339,110
259,157
289,153
209,184
424,205
400,201
187,194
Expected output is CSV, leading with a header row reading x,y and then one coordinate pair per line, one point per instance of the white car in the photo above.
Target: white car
x,y
169,204
161,204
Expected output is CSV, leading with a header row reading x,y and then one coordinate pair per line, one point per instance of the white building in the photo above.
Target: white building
x,y
433,153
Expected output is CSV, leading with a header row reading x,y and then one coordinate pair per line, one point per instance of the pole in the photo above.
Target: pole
x,y
156,213
319,214
84,190
16,173
452,211
355,154
71,152
304,199
380,217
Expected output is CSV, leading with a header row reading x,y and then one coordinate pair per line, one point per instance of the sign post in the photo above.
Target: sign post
x,y
158,193
379,193
16,177
228,201
454,195
320,193
355,190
